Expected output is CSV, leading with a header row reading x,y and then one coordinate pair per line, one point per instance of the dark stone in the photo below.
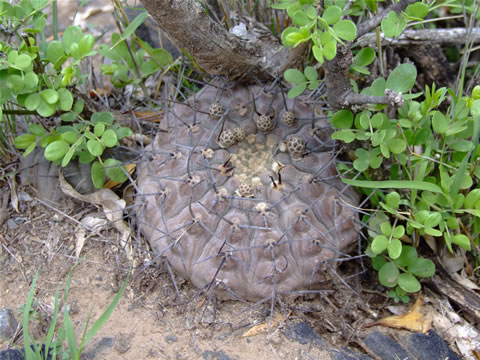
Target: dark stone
x,y
8,324
171,339
14,354
122,343
430,346
385,347
97,347
11,355
304,334
215,355
346,354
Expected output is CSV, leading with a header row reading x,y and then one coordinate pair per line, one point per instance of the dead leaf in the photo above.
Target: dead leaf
x,y
154,117
112,206
456,330
13,193
88,222
111,183
469,284
263,327
413,319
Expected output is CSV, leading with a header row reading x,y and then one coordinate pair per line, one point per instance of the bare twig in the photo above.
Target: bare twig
x,y
372,23
409,37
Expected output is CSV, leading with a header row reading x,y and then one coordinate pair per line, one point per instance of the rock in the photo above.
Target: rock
x,y
98,347
385,347
304,334
171,339
14,354
8,324
122,343
215,355
429,346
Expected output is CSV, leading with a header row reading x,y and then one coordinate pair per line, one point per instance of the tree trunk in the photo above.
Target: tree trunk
x,y
245,52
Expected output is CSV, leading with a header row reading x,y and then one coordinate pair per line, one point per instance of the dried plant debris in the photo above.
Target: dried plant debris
x,y
251,219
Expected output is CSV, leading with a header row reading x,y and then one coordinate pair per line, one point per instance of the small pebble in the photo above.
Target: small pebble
x,y
8,323
122,343
171,339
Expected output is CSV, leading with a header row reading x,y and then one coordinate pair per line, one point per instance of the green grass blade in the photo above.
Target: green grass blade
x,y
67,322
53,324
27,338
394,184
106,314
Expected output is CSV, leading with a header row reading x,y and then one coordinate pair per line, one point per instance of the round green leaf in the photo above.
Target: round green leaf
x,y
472,198
311,73
393,200
86,43
462,241
300,18
409,283
123,132
345,30
318,53
109,138
388,274
346,136
332,14
378,261
342,119
56,150
296,90
439,122
362,162
65,99
23,61
330,50
394,249
399,231
115,171
433,232
99,129
397,146
33,101
95,148
402,78
37,130
46,109
71,35
461,145
364,57
417,10
16,83
30,80
294,76
407,257
84,157
386,228
476,92
24,141
422,267
433,220
50,96
70,137
379,244
98,174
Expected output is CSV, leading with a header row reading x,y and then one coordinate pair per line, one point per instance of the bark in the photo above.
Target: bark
x,y
424,36
249,51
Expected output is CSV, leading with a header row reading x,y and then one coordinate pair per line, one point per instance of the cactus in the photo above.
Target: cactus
x,y
246,212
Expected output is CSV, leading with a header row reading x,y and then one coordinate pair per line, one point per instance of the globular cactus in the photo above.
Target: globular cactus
x,y
249,216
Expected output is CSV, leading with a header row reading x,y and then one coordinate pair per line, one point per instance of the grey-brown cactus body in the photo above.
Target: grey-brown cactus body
x,y
260,217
